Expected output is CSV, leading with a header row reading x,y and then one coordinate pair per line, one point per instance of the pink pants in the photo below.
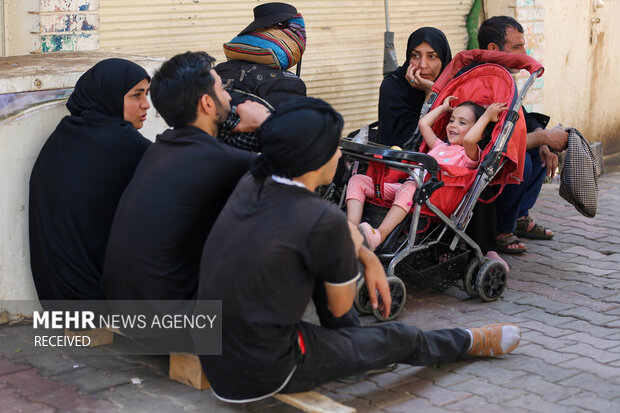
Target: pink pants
x,y
361,187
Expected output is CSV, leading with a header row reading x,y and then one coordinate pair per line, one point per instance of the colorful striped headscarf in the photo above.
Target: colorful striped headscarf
x,y
280,48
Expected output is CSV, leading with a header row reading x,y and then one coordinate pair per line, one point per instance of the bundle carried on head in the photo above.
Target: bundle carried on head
x,y
279,47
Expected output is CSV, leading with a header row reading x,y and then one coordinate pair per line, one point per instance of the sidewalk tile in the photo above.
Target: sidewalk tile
x,y
588,365
549,372
7,367
488,390
586,350
535,403
417,404
29,382
594,384
592,402
12,402
547,390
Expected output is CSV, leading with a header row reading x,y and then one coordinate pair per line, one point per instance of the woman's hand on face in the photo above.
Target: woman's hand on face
x,y
416,81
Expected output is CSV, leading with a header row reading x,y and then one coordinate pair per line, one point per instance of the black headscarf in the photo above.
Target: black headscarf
x,y
399,103
435,38
101,90
77,181
300,136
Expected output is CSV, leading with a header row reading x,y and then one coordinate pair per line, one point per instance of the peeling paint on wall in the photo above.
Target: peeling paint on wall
x,y
68,25
87,41
58,43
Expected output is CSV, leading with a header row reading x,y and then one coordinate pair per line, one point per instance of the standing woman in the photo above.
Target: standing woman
x,y
404,91
79,176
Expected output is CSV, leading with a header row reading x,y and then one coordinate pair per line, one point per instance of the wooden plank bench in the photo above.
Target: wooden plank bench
x,y
98,336
185,368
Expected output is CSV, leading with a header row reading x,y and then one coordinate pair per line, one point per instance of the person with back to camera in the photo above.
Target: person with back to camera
x,y
79,176
464,132
258,61
505,34
404,91
275,245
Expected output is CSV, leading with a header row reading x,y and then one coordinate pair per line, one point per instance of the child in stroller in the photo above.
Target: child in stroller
x,y
464,131
430,247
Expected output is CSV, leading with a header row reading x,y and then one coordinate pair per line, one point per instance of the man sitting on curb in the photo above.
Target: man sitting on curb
x,y
179,187
275,245
505,34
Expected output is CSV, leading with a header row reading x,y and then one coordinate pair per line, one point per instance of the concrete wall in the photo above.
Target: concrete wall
x,y
21,137
35,26
580,50
582,58
21,27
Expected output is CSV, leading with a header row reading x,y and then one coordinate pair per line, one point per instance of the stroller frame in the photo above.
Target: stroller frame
x,y
482,277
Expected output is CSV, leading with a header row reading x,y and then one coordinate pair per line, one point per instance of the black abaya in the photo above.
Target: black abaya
x,y
77,180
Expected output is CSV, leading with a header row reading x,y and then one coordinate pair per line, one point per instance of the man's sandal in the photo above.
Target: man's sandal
x,y
494,340
536,232
502,244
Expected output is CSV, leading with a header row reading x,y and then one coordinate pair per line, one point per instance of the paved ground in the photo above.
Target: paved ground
x,y
564,293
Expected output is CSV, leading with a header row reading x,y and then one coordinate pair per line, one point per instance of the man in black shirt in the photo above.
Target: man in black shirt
x,y
275,245
179,187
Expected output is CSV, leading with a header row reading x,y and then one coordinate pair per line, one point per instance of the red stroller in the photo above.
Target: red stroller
x,y
431,248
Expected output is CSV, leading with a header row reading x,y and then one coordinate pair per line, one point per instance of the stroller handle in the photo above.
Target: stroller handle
x,y
369,150
467,57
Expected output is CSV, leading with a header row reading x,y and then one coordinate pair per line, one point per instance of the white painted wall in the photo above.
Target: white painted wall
x,y
21,139
581,87
21,34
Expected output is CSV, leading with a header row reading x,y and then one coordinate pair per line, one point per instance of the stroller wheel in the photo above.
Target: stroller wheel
x,y
469,279
491,281
399,295
362,299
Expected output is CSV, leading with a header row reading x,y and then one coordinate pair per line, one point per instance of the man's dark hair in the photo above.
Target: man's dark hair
x,y
493,30
178,85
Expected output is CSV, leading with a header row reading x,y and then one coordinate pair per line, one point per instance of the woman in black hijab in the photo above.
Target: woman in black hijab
x,y
79,176
404,91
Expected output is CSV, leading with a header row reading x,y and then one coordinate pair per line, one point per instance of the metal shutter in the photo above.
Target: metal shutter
x,y
344,55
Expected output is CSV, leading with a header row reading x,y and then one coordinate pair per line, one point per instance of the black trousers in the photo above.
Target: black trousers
x,y
341,352
341,347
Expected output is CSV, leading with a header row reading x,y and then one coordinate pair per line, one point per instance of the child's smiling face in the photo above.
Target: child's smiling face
x,y
461,121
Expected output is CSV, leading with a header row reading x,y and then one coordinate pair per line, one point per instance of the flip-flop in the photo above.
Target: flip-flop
x,y
537,231
503,243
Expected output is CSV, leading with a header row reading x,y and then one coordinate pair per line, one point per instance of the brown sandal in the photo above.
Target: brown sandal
x,y
537,231
503,243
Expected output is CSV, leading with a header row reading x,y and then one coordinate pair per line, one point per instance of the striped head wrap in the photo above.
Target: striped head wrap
x,y
277,47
